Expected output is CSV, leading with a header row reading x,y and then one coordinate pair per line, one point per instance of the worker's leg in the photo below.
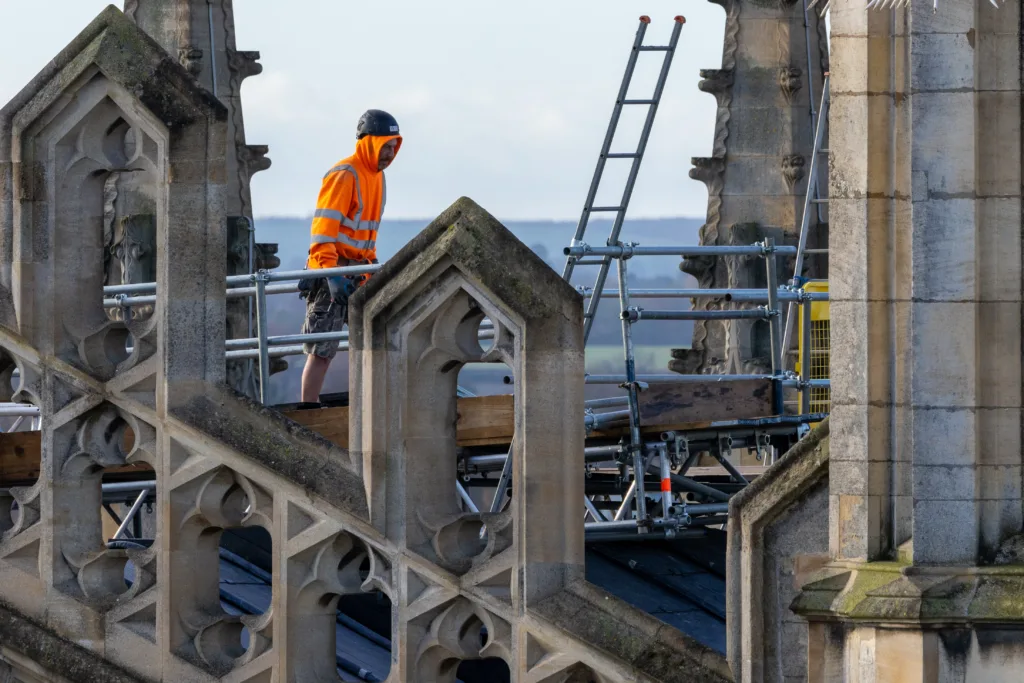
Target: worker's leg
x,y
321,316
313,378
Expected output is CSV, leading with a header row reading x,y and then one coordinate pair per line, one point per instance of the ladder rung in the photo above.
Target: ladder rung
x,y
819,201
815,251
622,155
655,48
823,151
605,209
639,101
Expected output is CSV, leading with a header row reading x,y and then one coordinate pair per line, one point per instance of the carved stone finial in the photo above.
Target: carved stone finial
x,y
707,169
266,256
792,169
715,81
244,63
790,81
254,157
191,58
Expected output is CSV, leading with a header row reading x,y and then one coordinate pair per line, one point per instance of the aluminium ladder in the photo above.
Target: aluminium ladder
x,y
811,199
606,153
635,448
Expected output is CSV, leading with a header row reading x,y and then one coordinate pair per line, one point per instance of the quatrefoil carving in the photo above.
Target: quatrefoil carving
x,y
221,499
469,540
19,510
461,631
102,438
101,442
226,499
341,566
455,335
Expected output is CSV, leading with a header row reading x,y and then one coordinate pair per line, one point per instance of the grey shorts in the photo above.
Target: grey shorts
x,y
323,315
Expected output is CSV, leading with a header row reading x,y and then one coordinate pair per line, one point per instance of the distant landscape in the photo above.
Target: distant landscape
x,y
547,239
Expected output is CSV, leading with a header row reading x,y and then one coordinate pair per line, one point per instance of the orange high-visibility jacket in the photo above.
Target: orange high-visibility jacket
x,y
350,206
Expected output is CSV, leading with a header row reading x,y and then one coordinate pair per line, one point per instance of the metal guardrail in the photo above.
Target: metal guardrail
x,y
263,347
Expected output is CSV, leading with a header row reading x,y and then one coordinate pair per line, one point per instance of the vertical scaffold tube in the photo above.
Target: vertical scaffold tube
x,y
635,445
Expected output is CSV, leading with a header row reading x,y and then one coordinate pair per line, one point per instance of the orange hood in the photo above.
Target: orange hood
x,y
368,149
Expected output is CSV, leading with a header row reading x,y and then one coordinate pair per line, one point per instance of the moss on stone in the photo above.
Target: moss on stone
x,y
999,597
55,654
894,592
126,55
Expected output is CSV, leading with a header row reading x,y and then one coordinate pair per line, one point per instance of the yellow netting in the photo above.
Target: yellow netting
x,y
821,398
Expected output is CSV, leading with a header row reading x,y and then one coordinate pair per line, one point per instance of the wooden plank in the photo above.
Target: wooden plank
x,y
677,403
483,421
19,457
331,423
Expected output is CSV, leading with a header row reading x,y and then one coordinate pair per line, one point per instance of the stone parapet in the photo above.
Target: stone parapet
x,y
778,533
382,517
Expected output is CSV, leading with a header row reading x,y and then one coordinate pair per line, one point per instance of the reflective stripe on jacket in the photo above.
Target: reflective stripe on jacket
x,y
349,207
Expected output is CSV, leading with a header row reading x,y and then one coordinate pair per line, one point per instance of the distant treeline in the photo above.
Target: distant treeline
x,y
546,239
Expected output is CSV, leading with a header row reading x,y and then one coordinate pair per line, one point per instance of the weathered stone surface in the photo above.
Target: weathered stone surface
x,y
52,653
778,529
182,28
383,517
925,463
758,173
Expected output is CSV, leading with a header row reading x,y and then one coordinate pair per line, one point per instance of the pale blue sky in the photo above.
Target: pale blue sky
x,y
506,106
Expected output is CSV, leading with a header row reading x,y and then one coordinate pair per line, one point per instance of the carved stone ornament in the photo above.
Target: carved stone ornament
x,y
792,169
790,81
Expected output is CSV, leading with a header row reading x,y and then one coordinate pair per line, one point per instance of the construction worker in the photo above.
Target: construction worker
x,y
344,233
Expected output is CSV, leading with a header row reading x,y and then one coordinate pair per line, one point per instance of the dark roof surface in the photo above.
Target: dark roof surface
x,y
680,582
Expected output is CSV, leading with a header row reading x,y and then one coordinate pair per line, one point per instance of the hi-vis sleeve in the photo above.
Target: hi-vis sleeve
x,y
337,203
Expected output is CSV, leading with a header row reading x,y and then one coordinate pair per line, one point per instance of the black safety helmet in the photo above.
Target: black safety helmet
x,y
376,122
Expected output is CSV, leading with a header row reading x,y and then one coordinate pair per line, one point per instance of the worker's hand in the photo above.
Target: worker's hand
x,y
341,288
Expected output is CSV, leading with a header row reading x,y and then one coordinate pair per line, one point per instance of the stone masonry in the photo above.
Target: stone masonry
x,y
382,516
757,173
924,572
183,29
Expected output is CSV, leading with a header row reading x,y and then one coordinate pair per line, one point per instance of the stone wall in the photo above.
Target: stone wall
x,y
201,35
778,533
757,173
925,466
382,516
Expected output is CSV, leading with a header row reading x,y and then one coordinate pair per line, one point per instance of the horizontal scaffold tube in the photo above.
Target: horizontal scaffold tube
x,y
688,379
607,402
627,252
759,313
18,410
237,282
752,296
673,378
311,338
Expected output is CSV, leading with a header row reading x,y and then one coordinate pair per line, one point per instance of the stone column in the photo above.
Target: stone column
x,y
925,250
772,71
926,282
183,29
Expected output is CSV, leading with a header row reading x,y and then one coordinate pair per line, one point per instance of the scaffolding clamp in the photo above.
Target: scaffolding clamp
x,y
638,386
763,443
625,248
126,309
725,447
